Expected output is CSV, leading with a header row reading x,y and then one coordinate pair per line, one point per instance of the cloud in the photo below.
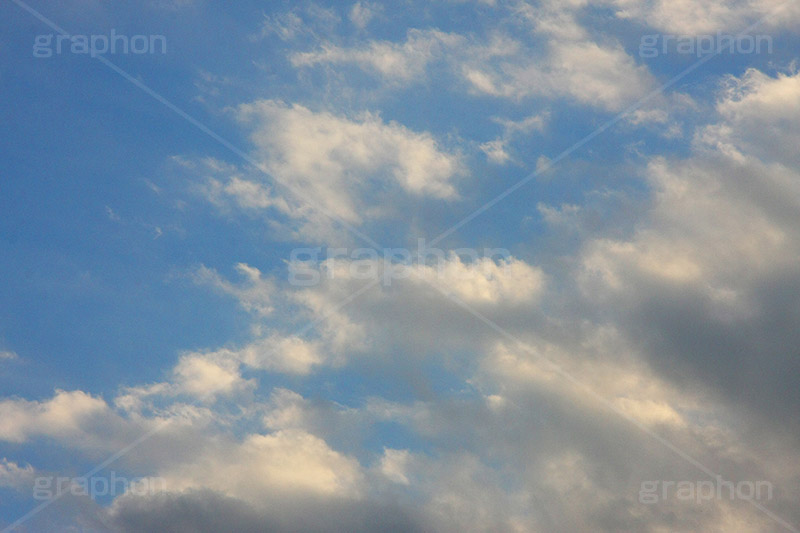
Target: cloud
x,y
255,294
14,476
694,17
484,280
757,116
328,165
209,511
245,194
323,151
401,62
67,414
497,149
263,466
207,376
276,353
363,12
393,465
708,280
572,64
390,407
307,22
334,333
408,297
589,73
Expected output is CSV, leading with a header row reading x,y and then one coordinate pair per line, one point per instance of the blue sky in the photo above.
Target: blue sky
x,y
647,292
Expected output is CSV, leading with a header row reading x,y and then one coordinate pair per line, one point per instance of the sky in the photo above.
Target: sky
x,y
451,265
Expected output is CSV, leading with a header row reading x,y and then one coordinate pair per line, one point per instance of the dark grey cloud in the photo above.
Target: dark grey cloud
x,y
211,512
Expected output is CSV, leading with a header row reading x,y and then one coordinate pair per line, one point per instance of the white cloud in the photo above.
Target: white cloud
x,y
263,466
310,21
291,354
14,476
497,149
704,233
603,362
572,64
363,12
245,193
408,299
209,375
333,164
255,294
720,217
400,62
758,117
288,410
336,333
65,415
592,74
485,280
526,125
695,17
394,464
478,280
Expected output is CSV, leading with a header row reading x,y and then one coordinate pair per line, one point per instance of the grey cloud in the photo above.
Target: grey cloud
x,y
207,511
